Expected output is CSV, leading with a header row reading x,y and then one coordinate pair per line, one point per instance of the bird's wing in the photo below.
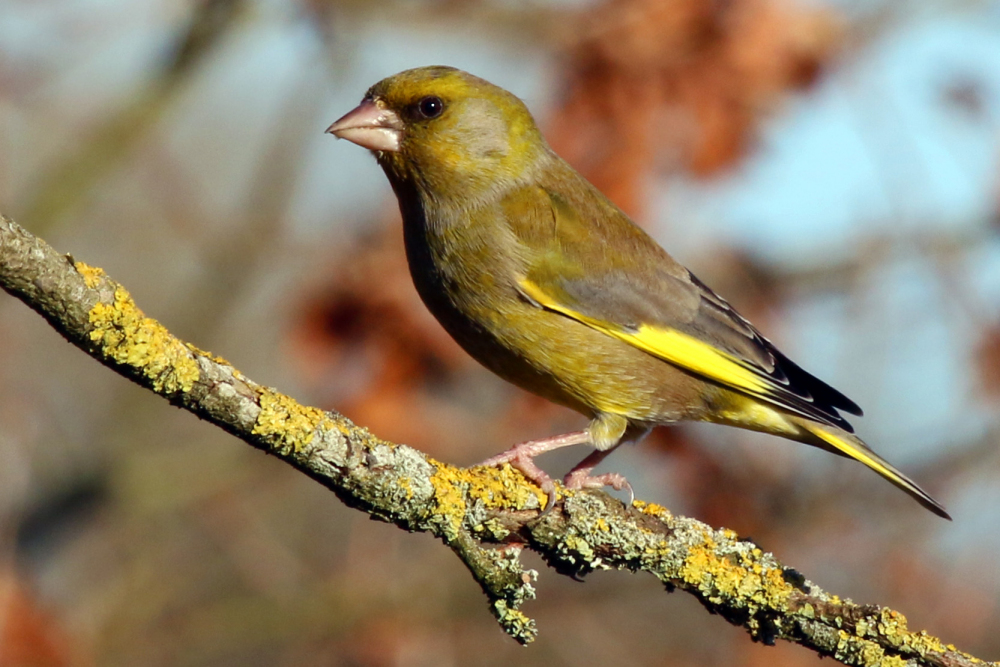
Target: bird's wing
x,y
577,268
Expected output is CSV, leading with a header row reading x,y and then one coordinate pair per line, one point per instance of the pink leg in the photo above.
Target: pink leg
x,y
521,457
532,448
580,478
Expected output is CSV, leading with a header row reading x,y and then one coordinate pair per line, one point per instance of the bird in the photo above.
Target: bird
x,y
548,284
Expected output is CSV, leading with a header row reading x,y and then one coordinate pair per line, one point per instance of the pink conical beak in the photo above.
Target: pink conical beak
x,y
370,126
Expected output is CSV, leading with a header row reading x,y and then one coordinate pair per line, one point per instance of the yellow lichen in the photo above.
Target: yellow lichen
x,y
493,487
852,650
577,549
126,336
892,623
652,509
843,641
288,423
515,622
873,654
918,642
494,529
848,648
449,500
91,274
718,578
208,355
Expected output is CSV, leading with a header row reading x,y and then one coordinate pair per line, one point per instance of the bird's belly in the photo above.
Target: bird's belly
x,y
565,361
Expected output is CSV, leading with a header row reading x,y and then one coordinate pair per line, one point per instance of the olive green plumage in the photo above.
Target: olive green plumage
x,y
548,284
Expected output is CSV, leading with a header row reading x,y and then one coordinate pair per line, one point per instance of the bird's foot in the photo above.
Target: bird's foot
x,y
527,467
582,479
521,457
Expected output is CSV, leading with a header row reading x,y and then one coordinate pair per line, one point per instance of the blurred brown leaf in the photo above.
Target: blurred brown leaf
x,y
988,355
688,80
30,636
366,317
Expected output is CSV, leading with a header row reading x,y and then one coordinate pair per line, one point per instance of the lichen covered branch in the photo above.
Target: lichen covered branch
x,y
485,515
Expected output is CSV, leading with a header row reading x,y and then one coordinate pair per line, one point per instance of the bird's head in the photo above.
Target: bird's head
x,y
448,132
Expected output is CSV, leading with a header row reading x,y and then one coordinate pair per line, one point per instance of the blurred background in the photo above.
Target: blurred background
x,y
830,166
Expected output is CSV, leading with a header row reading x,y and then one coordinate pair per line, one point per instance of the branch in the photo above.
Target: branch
x,y
485,515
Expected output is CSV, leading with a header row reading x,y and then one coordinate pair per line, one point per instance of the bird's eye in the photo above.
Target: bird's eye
x,y
430,107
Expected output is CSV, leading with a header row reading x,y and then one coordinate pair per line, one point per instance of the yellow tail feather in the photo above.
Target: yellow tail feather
x,y
853,447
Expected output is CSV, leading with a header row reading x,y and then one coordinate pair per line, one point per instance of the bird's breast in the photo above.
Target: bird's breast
x,y
466,273
463,271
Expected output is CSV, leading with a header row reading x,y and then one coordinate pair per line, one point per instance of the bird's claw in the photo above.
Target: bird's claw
x,y
550,502
581,479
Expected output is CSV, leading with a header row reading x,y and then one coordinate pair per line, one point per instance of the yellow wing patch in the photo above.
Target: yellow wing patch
x,y
690,353
668,344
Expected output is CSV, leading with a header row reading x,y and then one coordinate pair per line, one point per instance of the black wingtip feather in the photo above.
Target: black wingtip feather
x,y
824,396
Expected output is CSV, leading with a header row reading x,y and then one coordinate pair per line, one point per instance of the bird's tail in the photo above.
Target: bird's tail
x,y
853,447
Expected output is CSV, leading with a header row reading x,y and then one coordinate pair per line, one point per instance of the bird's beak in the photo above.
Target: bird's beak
x,y
370,126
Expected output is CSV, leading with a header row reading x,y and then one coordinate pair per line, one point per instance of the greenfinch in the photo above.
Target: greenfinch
x,y
548,284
